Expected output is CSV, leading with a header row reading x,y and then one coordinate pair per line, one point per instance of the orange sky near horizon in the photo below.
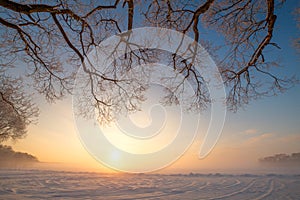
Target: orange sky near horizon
x,y
54,140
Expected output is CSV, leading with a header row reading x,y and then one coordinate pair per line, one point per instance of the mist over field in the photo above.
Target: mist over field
x,y
62,181
22,176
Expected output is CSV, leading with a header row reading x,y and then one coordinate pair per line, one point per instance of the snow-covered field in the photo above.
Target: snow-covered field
x,y
35,184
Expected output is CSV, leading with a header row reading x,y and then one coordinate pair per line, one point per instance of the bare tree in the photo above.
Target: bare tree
x,y
16,109
53,38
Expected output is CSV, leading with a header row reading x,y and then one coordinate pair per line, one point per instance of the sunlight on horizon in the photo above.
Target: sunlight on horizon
x,y
54,140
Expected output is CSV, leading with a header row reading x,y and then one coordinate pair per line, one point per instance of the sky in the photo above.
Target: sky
x,y
265,127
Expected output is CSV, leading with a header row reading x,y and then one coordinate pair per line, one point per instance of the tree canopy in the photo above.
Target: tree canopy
x,y
51,41
17,110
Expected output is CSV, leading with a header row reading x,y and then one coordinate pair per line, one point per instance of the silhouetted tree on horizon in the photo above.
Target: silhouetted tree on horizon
x,y
9,157
282,158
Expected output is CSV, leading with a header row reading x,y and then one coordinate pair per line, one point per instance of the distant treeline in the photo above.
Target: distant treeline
x,y
10,157
282,158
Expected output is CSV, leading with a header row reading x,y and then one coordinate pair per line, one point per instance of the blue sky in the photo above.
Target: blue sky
x,y
281,112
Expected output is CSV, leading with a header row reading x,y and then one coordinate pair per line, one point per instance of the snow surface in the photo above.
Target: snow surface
x,y
41,184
